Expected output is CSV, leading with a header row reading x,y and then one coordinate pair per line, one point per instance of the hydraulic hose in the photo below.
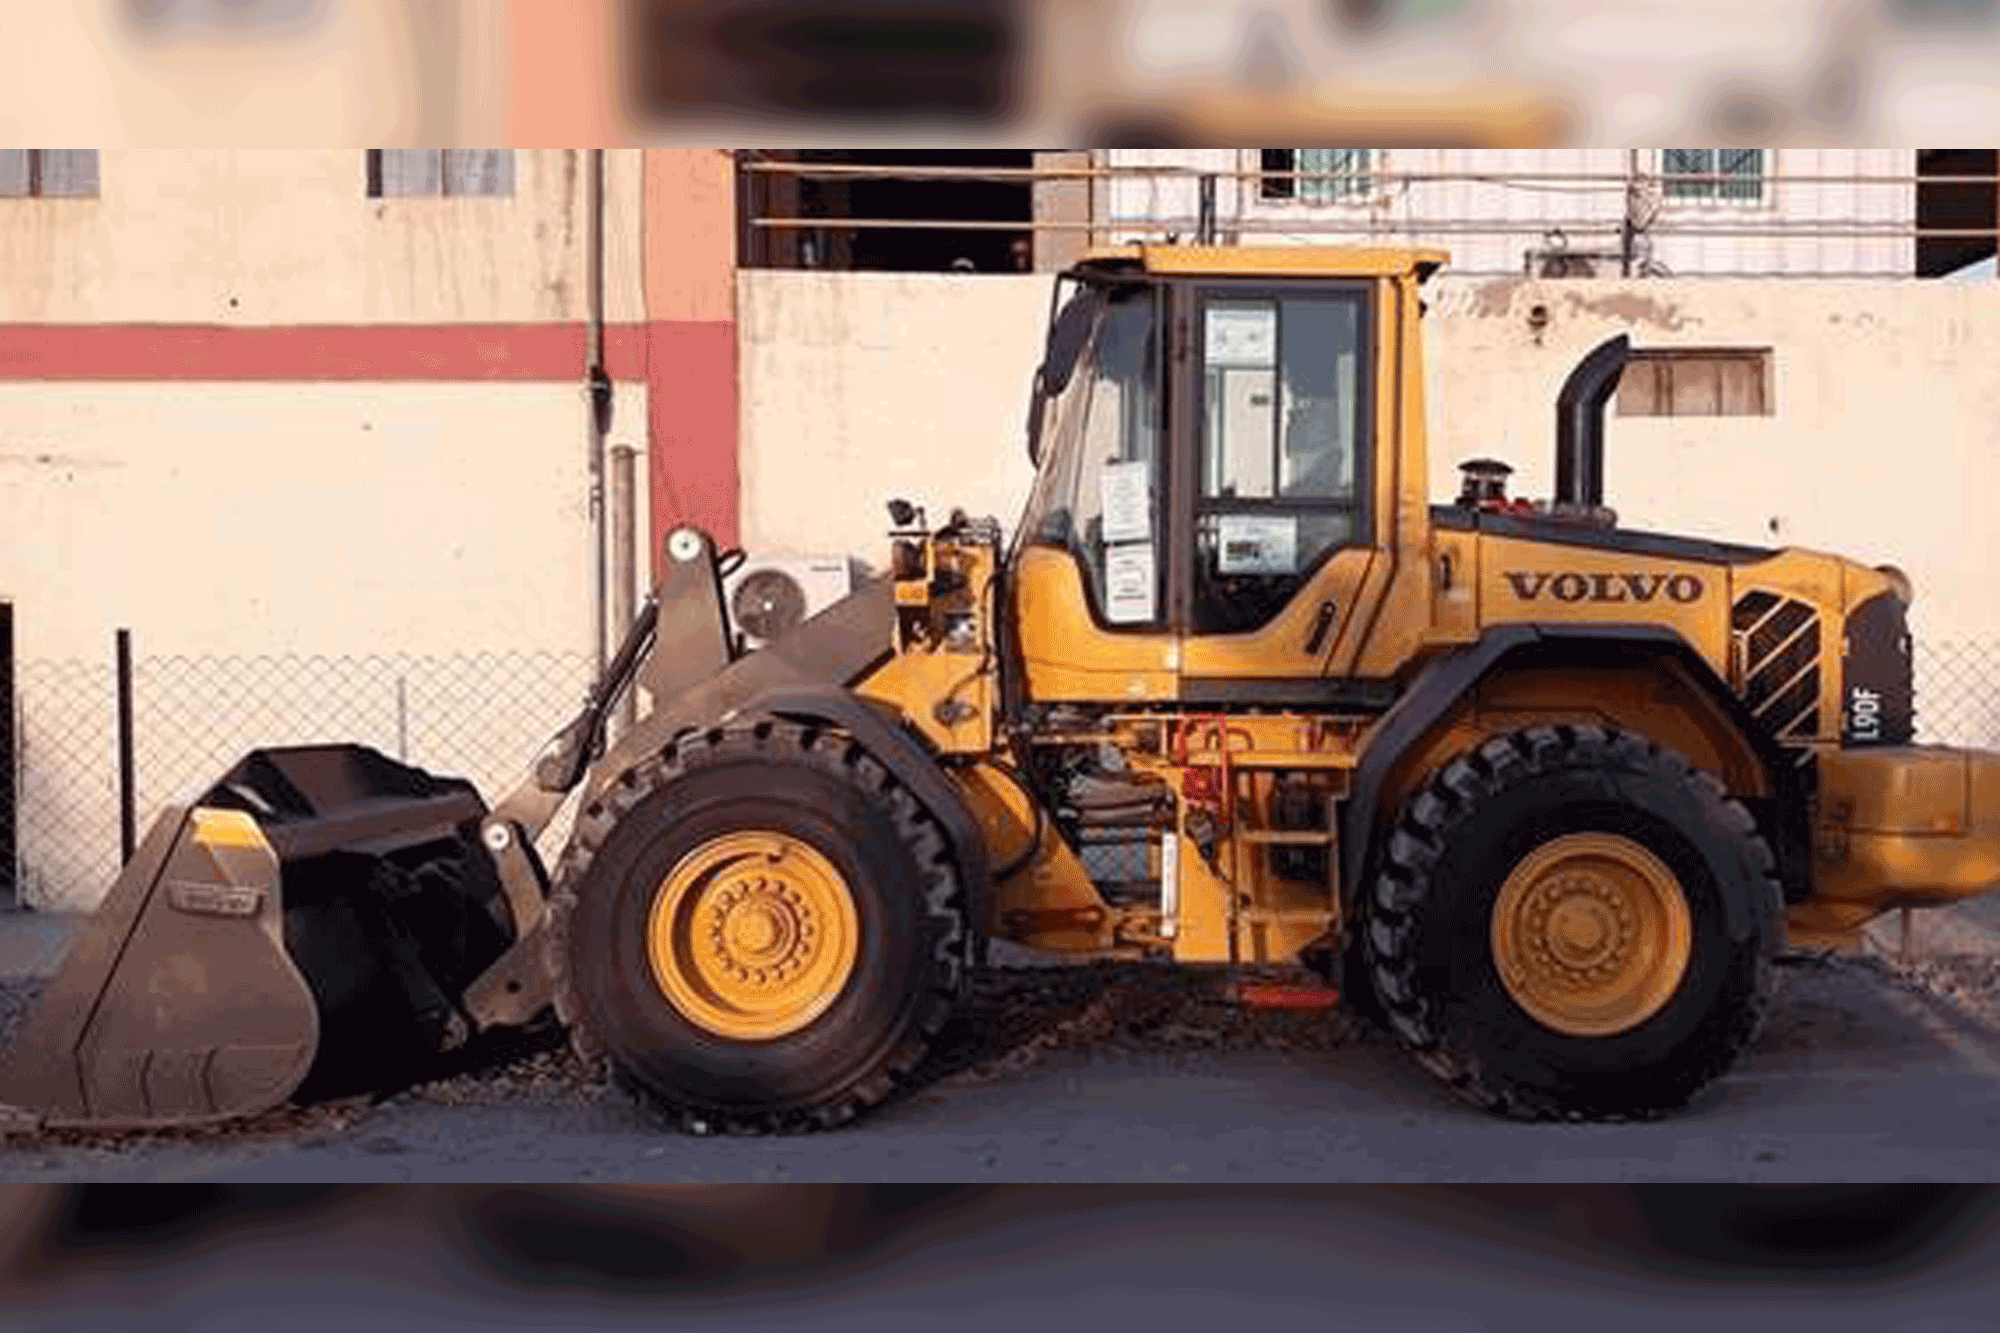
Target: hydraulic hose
x,y
1020,862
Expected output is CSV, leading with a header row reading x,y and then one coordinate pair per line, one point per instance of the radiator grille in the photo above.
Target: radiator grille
x,y
1777,667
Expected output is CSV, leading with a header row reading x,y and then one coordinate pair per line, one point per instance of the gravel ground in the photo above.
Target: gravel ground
x,y
1014,1019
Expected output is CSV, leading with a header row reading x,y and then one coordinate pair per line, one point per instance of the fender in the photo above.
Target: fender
x,y
1446,680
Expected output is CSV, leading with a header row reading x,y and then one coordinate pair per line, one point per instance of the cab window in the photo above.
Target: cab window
x,y
1283,458
1101,488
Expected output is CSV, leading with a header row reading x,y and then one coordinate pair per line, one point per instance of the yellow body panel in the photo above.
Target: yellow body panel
x,y
1274,918
1050,902
918,683
1279,648
227,828
1522,581
1902,827
1067,655
1454,617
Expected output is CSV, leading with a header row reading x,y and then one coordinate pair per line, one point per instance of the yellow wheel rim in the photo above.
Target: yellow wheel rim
x,y
752,935
1591,934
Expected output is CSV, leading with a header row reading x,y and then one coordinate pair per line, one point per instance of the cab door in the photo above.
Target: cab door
x,y
1275,557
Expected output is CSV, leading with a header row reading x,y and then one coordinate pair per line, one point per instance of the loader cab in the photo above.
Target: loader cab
x,y
1208,427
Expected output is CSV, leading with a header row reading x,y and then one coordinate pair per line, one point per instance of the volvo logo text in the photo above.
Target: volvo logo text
x,y
1574,587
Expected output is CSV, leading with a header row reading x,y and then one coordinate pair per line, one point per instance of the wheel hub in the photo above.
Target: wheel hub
x,y
1591,934
753,935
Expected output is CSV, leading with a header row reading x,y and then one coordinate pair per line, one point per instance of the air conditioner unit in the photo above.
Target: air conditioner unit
x,y
766,597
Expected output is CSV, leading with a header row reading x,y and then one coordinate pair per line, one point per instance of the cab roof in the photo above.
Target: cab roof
x,y
1264,261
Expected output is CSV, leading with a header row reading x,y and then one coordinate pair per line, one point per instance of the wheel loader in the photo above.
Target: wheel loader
x,y
1544,795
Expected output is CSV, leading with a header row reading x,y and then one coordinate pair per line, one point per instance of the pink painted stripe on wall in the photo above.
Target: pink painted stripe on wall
x,y
689,367
692,400
526,352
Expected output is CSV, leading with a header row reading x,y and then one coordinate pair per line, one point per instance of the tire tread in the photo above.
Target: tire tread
x,y
943,905
1403,893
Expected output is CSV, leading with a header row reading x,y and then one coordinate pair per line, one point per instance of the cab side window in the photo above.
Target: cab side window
x,y
1283,452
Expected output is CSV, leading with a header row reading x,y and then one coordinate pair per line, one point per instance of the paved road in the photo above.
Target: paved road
x,y
1867,1071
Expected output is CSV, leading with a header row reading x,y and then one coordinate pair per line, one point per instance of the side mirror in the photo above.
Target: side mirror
x,y
1037,412
1068,332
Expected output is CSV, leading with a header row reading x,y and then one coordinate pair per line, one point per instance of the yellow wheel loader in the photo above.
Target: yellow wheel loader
x,y
1544,795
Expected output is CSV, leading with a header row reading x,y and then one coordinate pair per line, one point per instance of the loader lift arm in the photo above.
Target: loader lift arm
x,y
516,987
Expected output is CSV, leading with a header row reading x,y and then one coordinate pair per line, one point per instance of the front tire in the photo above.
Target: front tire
x,y
1572,922
761,931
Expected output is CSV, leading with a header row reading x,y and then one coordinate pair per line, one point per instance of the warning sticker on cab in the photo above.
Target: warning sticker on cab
x,y
1257,544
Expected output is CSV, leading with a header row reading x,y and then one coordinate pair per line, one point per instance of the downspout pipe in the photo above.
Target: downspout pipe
x,y
1580,423
597,384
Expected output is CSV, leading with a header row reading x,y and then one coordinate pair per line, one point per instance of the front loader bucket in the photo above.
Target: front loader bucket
x,y
303,931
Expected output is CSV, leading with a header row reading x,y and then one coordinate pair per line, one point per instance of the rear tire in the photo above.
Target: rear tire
x,y
760,930
1574,923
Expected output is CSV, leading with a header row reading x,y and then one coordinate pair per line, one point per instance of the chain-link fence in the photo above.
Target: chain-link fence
x,y
479,716
66,791
1958,692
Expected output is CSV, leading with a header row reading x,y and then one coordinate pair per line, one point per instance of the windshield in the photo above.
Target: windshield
x,y
1099,490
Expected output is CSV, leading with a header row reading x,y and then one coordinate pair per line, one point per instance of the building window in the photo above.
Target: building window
x,y
426,173
1697,382
1741,170
48,173
1316,175
828,189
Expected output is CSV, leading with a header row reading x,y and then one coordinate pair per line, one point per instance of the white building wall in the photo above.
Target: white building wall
x,y
400,565
858,388
262,236
1446,213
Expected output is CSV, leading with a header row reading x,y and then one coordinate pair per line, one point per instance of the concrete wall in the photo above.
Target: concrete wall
x,y
296,518
862,387
287,236
1884,444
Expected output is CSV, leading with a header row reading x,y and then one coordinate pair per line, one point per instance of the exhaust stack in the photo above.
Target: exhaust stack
x,y
1580,424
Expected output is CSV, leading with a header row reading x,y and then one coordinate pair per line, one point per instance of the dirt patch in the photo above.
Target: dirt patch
x,y
533,1068
1016,1018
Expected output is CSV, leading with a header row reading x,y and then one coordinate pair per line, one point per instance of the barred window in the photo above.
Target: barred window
x,y
48,173
1316,175
1696,382
1741,168
426,173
